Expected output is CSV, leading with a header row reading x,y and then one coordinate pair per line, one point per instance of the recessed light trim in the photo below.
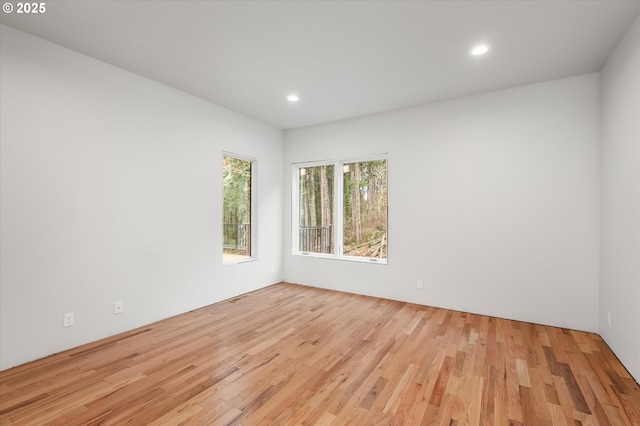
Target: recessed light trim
x,y
293,97
479,49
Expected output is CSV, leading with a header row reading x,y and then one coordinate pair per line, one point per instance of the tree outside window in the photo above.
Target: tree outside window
x,y
237,208
342,215
365,209
316,209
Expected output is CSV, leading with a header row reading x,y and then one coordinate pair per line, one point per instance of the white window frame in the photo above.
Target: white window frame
x,y
253,255
338,208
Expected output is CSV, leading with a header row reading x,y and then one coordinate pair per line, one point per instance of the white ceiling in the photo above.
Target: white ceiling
x,y
344,58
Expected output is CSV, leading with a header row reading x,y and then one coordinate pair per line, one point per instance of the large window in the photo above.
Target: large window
x,y
340,209
237,230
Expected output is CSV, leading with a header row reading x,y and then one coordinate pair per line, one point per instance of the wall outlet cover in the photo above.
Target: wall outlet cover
x,y
68,319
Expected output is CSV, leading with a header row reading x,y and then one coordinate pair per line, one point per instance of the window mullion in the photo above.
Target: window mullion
x,y
295,209
338,207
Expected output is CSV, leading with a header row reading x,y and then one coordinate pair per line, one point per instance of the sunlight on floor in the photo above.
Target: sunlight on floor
x,y
228,257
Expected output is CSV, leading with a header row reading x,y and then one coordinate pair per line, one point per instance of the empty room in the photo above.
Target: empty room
x,y
320,212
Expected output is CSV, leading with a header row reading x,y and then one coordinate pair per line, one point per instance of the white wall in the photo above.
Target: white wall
x,y
620,192
493,202
111,190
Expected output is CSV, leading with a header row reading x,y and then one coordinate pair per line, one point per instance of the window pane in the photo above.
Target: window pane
x,y
237,208
316,209
365,209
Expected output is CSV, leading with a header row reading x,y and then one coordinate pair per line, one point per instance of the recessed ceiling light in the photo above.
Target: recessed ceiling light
x,y
480,49
293,98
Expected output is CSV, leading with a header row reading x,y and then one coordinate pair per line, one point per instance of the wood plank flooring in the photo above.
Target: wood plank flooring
x,y
294,355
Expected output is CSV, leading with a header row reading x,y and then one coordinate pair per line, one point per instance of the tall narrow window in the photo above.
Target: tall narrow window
x,y
341,209
316,209
237,232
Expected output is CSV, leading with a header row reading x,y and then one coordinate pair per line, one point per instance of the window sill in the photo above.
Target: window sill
x,y
370,260
238,261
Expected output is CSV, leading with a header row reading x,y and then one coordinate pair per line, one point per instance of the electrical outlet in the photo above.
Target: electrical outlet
x,y
609,318
118,307
68,319
420,284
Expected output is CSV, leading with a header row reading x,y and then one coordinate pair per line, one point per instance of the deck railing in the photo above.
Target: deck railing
x,y
315,239
237,238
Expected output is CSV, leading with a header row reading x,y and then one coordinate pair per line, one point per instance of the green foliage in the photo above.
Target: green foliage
x,y
236,178
312,199
370,190
364,204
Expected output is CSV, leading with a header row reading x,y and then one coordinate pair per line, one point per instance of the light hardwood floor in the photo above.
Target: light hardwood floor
x,y
292,355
